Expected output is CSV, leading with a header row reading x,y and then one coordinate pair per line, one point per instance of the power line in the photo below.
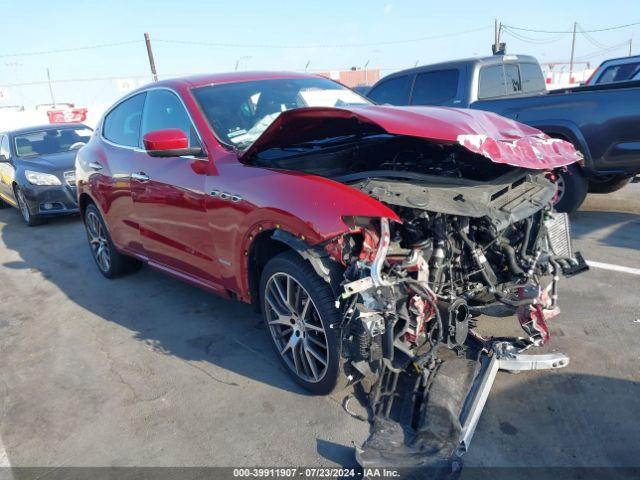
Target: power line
x,y
536,41
571,31
240,45
65,50
603,51
336,45
592,40
76,80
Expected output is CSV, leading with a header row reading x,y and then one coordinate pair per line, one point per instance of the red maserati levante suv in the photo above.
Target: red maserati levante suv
x,y
369,236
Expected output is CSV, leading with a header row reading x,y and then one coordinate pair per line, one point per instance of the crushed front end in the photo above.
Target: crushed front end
x,y
413,293
473,234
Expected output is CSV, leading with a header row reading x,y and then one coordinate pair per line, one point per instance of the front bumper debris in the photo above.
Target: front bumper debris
x,y
423,422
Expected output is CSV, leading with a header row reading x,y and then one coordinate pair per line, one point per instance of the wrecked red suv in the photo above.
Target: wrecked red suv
x,y
372,238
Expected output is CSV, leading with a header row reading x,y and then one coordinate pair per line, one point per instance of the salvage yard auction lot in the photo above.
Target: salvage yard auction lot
x,y
148,371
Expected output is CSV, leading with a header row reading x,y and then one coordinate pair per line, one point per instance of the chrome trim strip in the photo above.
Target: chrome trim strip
x,y
141,177
185,276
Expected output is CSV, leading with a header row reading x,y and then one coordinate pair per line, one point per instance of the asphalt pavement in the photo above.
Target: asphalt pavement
x,y
148,371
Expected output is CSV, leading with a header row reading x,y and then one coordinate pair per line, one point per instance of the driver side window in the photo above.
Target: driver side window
x,y
163,110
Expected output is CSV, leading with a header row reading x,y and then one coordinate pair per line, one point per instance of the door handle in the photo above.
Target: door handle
x,y
140,176
95,166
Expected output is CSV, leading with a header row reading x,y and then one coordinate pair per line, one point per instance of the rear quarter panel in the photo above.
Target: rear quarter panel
x,y
109,189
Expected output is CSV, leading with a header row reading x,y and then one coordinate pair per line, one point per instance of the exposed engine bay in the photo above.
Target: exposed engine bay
x,y
477,238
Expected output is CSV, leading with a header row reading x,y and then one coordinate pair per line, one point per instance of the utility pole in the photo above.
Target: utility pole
x,y
246,57
53,99
366,77
497,48
152,63
573,49
630,45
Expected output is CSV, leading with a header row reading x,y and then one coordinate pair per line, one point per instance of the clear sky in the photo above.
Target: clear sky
x,y
329,34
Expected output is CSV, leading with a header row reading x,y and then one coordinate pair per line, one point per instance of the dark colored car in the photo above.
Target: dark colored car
x,y
616,70
601,121
37,170
361,89
366,235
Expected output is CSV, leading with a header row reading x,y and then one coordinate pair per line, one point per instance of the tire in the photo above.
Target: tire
x,y
3,204
25,212
109,261
572,189
310,339
608,184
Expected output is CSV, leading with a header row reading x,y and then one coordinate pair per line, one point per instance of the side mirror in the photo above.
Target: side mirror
x,y
171,142
3,159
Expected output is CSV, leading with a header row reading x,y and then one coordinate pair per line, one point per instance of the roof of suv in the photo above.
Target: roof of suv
x,y
483,61
230,77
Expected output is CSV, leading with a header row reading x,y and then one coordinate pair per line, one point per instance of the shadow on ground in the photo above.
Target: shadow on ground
x,y
607,228
172,317
539,419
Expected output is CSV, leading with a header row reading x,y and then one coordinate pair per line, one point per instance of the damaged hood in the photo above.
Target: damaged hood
x,y
498,138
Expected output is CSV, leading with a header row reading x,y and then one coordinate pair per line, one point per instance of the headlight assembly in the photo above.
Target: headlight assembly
x,y
39,178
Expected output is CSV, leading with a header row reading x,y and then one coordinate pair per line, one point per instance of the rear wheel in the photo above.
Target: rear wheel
x,y
28,217
298,310
3,204
571,189
110,262
608,184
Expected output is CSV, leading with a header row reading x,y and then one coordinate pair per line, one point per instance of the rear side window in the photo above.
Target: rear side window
x,y
619,73
492,83
162,110
512,79
394,91
434,88
122,124
531,77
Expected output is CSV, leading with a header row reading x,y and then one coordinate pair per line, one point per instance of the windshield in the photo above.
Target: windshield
x,y
240,112
46,142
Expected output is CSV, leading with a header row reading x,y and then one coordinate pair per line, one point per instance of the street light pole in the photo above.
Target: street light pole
x,y
238,61
573,49
152,62
53,99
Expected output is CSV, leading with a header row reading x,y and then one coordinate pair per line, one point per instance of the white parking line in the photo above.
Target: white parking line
x,y
614,268
4,458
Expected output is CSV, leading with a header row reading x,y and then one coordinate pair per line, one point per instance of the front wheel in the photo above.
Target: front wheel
x,y
298,310
28,217
110,262
571,189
